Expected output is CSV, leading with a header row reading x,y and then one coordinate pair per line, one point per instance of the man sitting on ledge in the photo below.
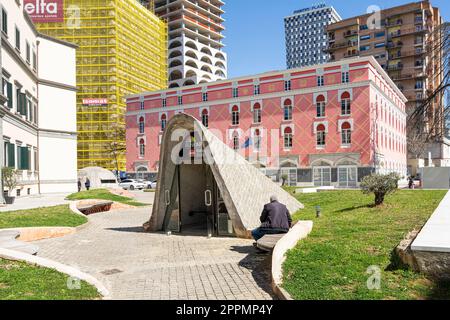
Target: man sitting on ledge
x,y
275,219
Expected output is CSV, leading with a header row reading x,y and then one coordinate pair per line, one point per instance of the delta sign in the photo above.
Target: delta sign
x,y
45,10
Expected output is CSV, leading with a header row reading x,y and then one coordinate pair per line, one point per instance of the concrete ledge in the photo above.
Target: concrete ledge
x,y
431,248
300,231
314,189
8,240
74,209
435,235
42,262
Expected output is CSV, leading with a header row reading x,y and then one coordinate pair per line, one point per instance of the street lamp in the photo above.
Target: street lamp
x,y
318,211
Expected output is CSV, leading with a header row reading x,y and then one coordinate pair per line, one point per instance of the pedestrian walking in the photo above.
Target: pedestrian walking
x,y
87,184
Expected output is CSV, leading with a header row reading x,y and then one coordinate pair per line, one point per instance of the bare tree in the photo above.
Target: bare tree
x,y
417,144
117,146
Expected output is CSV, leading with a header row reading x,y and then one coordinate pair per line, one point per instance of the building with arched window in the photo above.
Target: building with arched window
x,y
328,135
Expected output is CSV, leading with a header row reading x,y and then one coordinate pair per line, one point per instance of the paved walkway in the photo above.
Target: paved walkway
x,y
137,265
36,201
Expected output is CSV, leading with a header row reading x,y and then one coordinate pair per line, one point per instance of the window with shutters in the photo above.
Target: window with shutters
x,y
4,21
8,92
36,160
17,39
23,158
34,61
35,117
10,159
28,52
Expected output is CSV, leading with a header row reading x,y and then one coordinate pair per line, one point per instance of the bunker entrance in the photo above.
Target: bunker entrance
x,y
196,204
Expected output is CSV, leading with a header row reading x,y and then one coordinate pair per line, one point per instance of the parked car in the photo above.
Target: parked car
x,y
129,184
149,184
152,184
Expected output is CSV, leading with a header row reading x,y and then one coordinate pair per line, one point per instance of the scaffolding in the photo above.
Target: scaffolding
x,y
122,50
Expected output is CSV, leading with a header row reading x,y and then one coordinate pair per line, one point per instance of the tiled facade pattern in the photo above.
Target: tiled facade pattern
x,y
356,96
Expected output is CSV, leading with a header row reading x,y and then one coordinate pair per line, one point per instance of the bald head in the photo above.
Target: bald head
x,y
273,198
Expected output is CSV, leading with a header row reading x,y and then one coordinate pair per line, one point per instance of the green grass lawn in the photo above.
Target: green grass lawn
x,y
58,216
351,236
21,281
103,194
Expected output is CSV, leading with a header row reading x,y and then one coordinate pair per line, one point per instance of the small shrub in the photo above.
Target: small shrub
x,y
9,178
380,185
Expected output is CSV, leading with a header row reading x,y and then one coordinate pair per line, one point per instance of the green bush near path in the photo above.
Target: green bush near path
x,y
21,281
104,194
351,236
58,216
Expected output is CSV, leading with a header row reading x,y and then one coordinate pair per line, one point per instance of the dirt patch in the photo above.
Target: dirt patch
x,y
373,251
9,266
121,192
41,233
3,286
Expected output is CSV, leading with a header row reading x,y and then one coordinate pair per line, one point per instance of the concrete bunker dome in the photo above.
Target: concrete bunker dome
x,y
221,196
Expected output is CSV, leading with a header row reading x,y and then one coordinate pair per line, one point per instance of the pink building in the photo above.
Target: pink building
x,y
329,124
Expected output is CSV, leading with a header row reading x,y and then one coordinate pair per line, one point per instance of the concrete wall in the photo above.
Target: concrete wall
x,y
57,117
436,178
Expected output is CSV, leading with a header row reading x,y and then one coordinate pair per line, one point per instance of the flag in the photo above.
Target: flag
x,y
247,143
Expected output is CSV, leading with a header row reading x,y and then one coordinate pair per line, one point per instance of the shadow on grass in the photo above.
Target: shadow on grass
x,y
396,263
440,291
349,209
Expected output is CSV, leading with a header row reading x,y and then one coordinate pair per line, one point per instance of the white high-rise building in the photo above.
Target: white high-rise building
x,y
306,36
195,40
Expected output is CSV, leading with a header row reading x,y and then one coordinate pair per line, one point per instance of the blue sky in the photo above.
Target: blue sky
x,y
255,29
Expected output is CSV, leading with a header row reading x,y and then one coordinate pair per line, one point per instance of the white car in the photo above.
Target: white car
x,y
149,184
130,184
152,184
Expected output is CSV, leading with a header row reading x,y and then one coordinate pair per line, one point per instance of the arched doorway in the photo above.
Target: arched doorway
x,y
288,170
141,173
321,174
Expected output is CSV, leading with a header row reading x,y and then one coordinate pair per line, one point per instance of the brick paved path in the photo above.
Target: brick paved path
x,y
137,265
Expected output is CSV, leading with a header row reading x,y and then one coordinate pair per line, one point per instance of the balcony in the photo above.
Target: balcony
x,y
418,20
391,45
396,34
397,22
350,33
404,54
351,54
343,44
395,67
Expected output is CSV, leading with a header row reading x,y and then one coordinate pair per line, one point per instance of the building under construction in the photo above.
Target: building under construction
x,y
122,50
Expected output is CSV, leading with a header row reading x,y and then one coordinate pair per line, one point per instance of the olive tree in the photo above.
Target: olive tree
x,y
380,185
9,178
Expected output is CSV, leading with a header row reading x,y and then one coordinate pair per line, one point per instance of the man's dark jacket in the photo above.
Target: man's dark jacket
x,y
276,216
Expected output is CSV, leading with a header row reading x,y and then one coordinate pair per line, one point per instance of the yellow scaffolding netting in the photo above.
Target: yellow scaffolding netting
x,y
122,50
